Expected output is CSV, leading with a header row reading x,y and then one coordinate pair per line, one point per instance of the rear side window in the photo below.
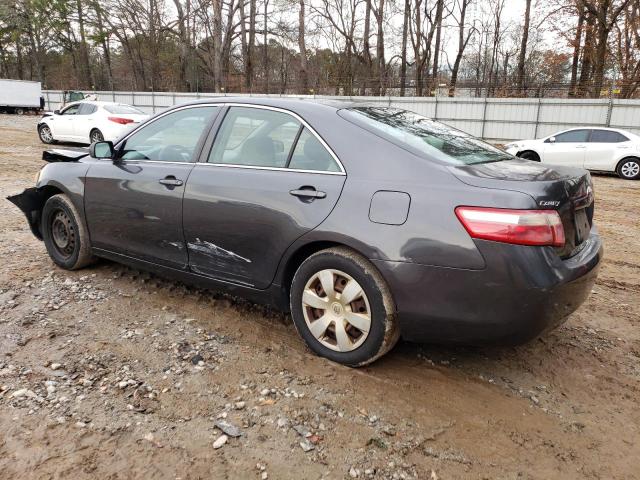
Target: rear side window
x,y
606,136
86,109
259,137
123,110
573,136
310,154
255,137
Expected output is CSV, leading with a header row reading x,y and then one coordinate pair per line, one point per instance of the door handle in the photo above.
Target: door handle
x,y
170,181
581,146
307,193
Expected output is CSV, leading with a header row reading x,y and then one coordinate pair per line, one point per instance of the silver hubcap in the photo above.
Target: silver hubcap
x,y
630,169
336,310
96,137
45,132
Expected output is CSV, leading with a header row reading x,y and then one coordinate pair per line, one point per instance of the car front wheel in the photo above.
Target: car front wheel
x,y
629,169
342,307
45,133
64,234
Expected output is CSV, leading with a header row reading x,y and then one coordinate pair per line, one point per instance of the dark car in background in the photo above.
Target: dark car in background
x,y
366,223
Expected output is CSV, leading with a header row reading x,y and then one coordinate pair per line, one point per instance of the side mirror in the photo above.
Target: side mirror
x,y
56,112
552,139
101,150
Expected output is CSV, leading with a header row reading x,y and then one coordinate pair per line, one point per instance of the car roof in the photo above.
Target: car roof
x,y
287,103
98,103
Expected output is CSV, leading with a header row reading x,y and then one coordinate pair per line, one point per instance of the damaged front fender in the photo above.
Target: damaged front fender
x,y
31,202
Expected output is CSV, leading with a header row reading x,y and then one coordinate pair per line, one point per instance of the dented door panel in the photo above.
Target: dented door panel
x,y
238,222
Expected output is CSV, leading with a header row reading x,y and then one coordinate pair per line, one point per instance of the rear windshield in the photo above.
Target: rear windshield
x,y
123,109
423,136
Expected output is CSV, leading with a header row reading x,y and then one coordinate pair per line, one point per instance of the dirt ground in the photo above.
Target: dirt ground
x,y
113,373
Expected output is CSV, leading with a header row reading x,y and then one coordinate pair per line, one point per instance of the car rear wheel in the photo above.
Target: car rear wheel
x,y
64,235
342,307
529,155
45,133
629,169
96,136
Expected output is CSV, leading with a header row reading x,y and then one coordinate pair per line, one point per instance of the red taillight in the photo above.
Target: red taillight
x,y
120,120
522,227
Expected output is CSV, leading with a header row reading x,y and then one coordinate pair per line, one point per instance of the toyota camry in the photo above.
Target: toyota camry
x,y
365,223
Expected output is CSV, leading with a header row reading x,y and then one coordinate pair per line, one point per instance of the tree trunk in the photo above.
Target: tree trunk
x,y
266,50
380,49
576,51
523,48
587,56
366,48
462,44
405,33
436,47
85,67
248,67
304,78
217,45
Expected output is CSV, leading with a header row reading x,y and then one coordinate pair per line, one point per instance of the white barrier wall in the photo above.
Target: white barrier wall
x,y
498,119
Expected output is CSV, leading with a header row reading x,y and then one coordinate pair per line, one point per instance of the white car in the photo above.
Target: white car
x,y
89,121
598,149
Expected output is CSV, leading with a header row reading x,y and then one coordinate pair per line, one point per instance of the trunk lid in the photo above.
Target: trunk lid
x,y
567,190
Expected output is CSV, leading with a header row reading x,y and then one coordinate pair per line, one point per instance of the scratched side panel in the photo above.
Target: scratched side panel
x,y
239,222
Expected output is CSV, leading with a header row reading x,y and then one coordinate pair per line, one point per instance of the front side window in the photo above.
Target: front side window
x,y
424,137
171,138
606,136
72,110
255,137
573,136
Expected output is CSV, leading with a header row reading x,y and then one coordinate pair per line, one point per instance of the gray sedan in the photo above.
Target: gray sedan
x,y
366,223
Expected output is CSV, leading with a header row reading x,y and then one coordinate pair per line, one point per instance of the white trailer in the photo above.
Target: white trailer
x,y
20,96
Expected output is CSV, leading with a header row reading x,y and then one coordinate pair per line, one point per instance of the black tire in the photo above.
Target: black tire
x,y
19,111
64,234
629,168
95,136
529,155
383,332
42,133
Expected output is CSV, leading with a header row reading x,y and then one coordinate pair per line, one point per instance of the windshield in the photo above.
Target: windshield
x,y
123,109
423,136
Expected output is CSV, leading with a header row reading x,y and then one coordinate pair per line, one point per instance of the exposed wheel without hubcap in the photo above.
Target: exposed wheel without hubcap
x,y
63,234
336,310
630,169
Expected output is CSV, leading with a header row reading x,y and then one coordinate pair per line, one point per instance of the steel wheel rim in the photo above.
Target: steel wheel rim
x,y
336,310
63,233
630,169
45,133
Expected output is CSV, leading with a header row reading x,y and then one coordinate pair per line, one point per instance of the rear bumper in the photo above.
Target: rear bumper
x,y
522,292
